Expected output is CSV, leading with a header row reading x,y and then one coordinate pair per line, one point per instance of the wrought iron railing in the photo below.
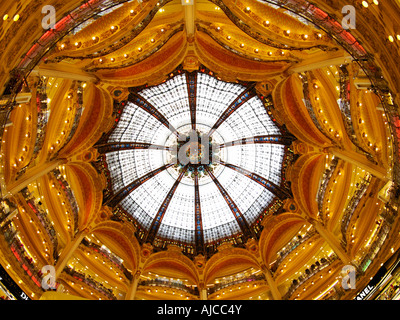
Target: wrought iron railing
x,y
352,206
169,284
309,273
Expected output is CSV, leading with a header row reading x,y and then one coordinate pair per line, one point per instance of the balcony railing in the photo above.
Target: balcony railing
x,y
169,284
43,218
324,183
345,109
42,120
19,252
309,106
110,256
69,195
292,245
352,206
88,280
375,246
309,273
247,280
77,119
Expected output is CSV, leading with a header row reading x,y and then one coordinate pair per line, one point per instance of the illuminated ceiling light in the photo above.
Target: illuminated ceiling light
x,y
140,49
152,40
101,60
305,36
248,9
266,23
319,35
228,37
16,17
112,59
132,12
376,2
5,17
162,30
63,46
242,45
270,53
256,50
125,55
287,32
398,37
391,39
365,4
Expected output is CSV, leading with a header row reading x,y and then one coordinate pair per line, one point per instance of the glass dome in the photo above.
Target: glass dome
x,y
195,160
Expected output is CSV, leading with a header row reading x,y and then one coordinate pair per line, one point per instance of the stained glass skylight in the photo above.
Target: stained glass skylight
x,y
195,160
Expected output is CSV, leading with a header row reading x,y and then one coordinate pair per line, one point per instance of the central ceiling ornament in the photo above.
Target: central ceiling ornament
x,y
197,151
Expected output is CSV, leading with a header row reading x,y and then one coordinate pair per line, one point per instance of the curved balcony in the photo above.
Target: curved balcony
x,y
87,280
42,120
352,206
77,118
309,106
375,246
159,283
22,256
344,107
43,218
292,245
68,195
325,181
309,273
247,280
110,256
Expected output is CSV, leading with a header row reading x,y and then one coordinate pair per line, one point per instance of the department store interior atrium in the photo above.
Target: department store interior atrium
x,y
199,149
